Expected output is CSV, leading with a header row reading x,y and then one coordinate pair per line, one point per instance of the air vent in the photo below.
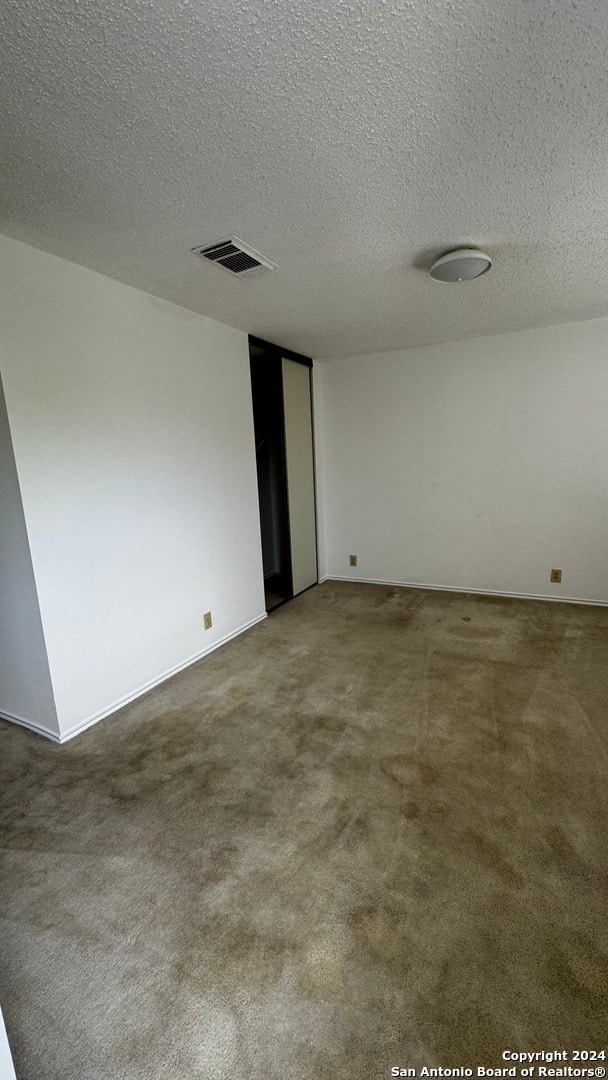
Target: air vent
x,y
235,256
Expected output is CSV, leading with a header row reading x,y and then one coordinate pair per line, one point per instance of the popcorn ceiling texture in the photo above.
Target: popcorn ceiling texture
x,y
348,141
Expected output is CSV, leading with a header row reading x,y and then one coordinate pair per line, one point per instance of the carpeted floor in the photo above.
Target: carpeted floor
x,y
371,832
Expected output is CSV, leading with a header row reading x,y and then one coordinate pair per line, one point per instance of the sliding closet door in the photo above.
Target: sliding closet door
x,y
300,474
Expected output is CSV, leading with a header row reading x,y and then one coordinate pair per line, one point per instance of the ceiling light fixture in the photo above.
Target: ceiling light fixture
x,y
461,265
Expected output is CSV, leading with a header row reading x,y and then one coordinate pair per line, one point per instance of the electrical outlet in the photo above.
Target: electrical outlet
x,y
353,560
556,576
207,620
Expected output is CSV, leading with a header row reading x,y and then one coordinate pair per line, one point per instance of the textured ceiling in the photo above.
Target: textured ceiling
x,y
347,140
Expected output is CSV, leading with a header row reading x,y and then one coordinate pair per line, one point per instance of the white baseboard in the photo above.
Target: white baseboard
x,y
31,725
116,705
472,591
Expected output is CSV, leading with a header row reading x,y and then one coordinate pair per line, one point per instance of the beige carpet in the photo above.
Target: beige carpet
x,y
370,832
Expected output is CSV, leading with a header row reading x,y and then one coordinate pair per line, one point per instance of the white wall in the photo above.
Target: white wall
x,y
478,465
7,1071
26,694
132,428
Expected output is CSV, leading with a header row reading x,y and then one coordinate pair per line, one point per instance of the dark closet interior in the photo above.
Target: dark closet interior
x,y
282,415
267,394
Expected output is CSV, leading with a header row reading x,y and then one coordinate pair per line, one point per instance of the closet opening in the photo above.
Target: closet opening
x,y
282,415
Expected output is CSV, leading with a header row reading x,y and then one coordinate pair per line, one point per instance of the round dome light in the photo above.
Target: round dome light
x,y
462,265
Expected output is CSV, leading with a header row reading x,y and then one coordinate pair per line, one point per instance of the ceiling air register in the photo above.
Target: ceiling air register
x,y
234,255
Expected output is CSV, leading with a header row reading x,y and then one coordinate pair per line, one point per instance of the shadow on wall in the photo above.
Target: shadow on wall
x,y
26,693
